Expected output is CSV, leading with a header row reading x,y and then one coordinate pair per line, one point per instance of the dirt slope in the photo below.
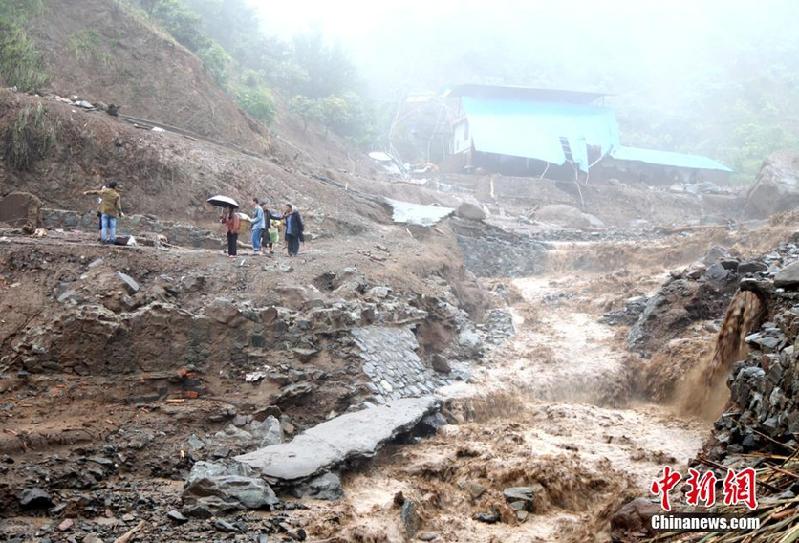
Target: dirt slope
x,y
99,50
165,174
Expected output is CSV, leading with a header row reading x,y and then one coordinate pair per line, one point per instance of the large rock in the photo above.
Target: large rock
x,y
323,487
410,518
567,217
35,498
683,300
776,186
344,438
20,209
520,498
215,488
633,517
470,212
788,277
268,432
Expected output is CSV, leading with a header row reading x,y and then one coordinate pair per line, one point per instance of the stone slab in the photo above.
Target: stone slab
x,y
327,445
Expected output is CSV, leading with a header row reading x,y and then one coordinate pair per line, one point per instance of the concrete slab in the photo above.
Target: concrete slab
x,y
332,443
420,215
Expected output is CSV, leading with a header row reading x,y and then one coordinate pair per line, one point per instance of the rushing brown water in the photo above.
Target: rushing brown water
x,y
705,392
535,414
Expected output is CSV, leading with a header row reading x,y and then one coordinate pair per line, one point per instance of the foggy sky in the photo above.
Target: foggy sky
x,y
661,42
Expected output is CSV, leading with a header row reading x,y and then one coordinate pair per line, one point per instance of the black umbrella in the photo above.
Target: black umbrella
x,y
222,201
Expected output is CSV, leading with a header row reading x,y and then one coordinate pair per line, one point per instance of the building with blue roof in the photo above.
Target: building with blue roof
x,y
557,134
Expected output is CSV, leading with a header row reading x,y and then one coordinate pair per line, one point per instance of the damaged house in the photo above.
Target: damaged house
x,y
556,134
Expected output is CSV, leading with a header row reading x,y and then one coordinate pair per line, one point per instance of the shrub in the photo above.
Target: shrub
x,y
87,45
216,61
30,138
306,109
20,63
257,101
183,24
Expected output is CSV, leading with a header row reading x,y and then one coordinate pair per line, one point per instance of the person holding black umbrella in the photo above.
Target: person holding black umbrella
x,y
232,223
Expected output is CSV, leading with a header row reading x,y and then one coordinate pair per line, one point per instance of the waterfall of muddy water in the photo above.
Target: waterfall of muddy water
x,y
704,392
535,415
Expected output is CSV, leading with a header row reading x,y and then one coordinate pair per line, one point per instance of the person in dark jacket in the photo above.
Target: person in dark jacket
x,y
232,223
294,230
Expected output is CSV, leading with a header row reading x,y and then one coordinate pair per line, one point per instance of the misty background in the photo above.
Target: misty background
x,y
712,77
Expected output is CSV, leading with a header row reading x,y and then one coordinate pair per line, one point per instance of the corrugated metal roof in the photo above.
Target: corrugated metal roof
x,y
666,158
523,93
532,129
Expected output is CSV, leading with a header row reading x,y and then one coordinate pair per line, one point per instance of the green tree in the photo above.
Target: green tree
x,y
257,101
307,109
216,61
330,71
183,24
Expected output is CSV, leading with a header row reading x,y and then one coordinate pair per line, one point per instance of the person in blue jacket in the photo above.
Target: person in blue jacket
x,y
258,223
294,229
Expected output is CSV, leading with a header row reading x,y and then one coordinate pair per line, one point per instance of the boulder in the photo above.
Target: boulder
x,y
215,488
776,187
470,342
788,277
35,498
567,217
130,284
520,498
488,517
268,432
410,518
440,364
633,517
347,437
20,209
752,266
470,212
324,487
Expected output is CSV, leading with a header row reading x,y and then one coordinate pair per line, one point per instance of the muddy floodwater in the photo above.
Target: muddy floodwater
x,y
549,409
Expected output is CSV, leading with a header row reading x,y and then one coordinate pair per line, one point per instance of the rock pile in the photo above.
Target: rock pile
x,y
390,360
763,384
700,292
489,251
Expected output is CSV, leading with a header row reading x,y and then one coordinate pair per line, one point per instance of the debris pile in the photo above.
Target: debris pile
x,y
700,292
489,251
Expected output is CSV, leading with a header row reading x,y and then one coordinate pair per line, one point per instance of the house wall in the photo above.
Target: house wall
x,y
461,140
653,174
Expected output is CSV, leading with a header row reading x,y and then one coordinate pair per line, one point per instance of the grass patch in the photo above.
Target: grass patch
x,y
87,45
20,63
20,10
30,138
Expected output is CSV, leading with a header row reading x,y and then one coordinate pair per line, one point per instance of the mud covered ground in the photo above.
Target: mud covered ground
x,y
551,410
556,408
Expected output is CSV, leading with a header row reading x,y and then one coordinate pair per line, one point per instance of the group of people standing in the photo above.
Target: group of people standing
x,y
265,227
265,223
